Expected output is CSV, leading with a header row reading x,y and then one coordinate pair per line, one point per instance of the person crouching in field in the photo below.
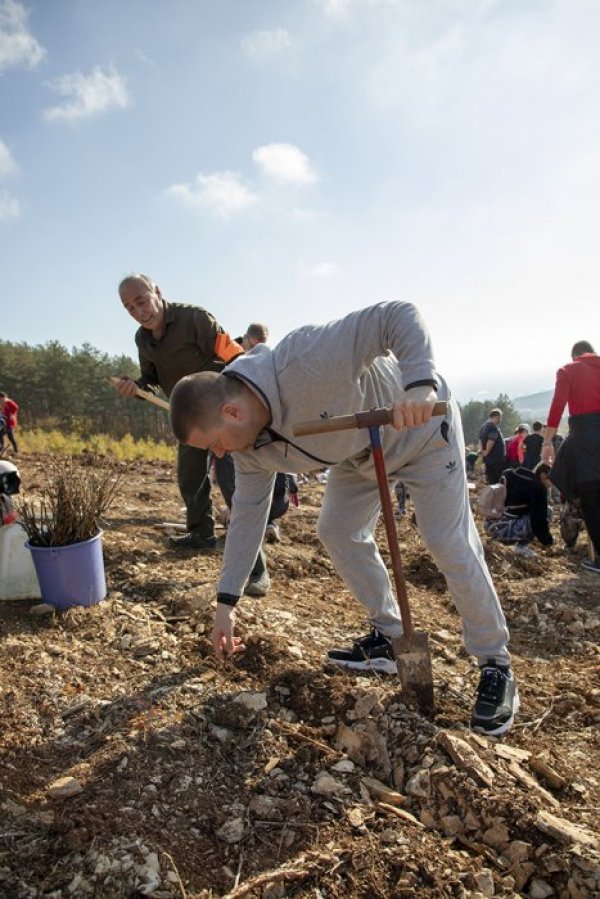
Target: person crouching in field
x,y
523,513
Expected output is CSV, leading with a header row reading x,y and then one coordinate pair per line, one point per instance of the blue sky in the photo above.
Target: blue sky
x,y
291,161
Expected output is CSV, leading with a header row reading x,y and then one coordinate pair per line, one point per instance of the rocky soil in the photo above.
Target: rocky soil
x,y
132,764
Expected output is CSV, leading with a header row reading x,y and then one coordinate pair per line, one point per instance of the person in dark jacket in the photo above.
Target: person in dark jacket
x,y
492,447
525,515
532,445
576,471
284,492
471,458
286,485
173,340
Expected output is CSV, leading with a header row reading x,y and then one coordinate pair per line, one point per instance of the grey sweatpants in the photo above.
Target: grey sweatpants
x,y
431,466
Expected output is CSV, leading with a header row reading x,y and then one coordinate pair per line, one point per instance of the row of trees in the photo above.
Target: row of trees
x,y
58,388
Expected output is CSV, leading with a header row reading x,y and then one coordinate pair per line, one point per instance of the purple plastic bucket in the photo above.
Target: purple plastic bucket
x,y
70,575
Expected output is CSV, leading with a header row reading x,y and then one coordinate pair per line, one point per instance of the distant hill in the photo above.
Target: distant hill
x,y
534,405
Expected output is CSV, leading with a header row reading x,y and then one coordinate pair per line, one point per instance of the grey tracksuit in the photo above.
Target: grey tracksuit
x,y
363,361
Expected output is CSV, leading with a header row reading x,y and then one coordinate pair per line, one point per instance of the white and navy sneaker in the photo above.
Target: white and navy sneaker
x,y
497,700
371,653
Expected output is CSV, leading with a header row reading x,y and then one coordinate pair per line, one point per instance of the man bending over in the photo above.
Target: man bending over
x,y
250,409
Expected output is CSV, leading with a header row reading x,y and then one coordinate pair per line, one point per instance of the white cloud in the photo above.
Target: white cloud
x,y
340,9
221,193
87,95
226,193
284,162
334,8
8,166
259,46
9,206
17,44
145,60
320,270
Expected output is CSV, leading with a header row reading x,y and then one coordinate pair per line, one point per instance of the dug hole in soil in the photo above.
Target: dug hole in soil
x,y
133,764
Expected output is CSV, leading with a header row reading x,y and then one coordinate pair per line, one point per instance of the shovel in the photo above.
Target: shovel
x,y
412,648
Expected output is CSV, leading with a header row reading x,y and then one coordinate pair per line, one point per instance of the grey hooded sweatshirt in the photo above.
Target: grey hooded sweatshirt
x,y
363,361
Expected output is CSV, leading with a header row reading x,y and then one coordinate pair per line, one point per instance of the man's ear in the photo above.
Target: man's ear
x,y
231,411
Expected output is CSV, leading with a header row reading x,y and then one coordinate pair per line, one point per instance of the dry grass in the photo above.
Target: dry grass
x,y
126,449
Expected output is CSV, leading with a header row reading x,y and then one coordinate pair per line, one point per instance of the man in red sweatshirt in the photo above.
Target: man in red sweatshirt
x,y
576,471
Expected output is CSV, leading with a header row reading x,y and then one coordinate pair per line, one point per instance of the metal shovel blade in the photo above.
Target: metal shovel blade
x,y
414,667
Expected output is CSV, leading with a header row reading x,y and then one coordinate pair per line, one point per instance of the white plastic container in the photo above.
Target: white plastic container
x,y
18,579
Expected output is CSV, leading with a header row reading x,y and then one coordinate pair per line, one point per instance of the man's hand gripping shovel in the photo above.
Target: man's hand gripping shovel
x,y
142,394
412,648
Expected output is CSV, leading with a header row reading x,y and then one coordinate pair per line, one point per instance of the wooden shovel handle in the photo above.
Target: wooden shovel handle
x,y
372,418
144,395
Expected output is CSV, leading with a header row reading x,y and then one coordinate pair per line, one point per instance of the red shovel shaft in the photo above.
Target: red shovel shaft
x,y
391,532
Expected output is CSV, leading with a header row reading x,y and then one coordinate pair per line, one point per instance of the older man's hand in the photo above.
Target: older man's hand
x,y
126,386
415,408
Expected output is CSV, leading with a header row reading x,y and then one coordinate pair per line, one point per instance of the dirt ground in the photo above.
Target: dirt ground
x,y
274,775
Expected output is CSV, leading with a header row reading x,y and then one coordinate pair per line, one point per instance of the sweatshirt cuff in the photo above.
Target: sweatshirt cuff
x,y
411,371
425,382
228,599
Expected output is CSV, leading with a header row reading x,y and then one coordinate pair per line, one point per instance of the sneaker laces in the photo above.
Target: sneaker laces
x,y
491,685
374,638
371,637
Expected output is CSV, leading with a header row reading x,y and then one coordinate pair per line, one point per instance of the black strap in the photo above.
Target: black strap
x,y
427,382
